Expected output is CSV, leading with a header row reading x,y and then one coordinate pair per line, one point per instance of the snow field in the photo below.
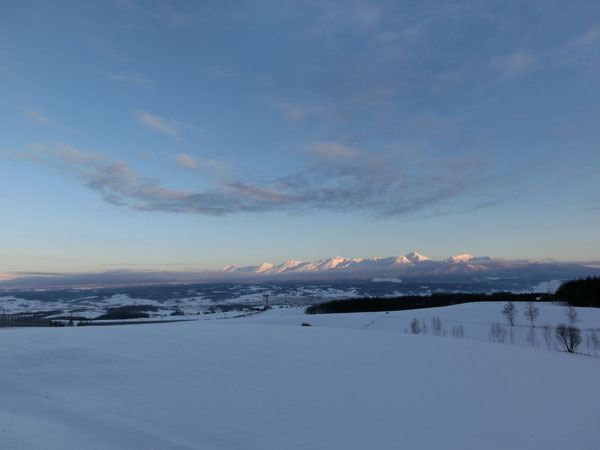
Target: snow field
x,y
264,382
476,319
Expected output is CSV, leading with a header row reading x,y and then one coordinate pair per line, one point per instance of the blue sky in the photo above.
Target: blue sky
x,y
191,135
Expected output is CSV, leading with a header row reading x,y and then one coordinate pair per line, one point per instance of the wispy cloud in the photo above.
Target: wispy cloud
x,y
513,64
133,77
333,150
369,183
192,163
170,127
302,113
293,112
590,37
117,277
187,161
47,120
580,49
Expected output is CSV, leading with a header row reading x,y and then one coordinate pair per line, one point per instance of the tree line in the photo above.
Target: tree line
x,y
371,304
581,292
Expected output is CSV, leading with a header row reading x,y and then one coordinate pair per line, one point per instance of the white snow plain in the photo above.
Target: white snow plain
x,y
353,381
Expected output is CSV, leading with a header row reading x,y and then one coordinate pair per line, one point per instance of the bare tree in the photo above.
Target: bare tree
x,y
572,315
547,333
424,326
569,336
437,327
498,333
510,312
458,331
415,328
531,312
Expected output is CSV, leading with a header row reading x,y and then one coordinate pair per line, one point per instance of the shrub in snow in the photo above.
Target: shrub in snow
x,y
569,336
498,333
437,327
306,324
592,342
458,331
595,341
415,328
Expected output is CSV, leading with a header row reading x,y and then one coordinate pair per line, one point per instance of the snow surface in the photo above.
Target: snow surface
x,y
475,318
352,381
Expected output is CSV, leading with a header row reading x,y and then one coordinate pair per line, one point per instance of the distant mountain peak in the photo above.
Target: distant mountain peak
x,y
417,257
264,267
460,258
412,264
466,258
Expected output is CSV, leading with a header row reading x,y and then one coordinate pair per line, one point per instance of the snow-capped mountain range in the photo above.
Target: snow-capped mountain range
x,y
413,264
338,263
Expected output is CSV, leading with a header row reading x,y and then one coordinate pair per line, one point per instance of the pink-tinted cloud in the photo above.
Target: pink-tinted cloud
x,y
344,180
46,120
169,127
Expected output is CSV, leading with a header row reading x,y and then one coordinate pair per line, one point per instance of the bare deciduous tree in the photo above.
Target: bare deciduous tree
x,y
437,327
415,328
498,333
569,336
458,331
424,326
510,312
572,315
531,312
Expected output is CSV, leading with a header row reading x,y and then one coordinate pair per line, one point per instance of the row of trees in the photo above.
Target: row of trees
x,y
407,302
567,335
437,328
27,320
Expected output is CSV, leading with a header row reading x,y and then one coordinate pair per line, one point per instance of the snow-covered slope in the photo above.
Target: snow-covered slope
x,y
256,384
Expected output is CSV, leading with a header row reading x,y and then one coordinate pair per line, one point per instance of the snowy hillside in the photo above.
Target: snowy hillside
x,y
264,382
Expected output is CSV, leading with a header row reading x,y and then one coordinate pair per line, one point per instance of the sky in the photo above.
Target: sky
x,y
174,135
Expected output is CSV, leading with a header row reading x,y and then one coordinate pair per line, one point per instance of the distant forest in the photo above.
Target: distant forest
x,y
370,304
583,292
